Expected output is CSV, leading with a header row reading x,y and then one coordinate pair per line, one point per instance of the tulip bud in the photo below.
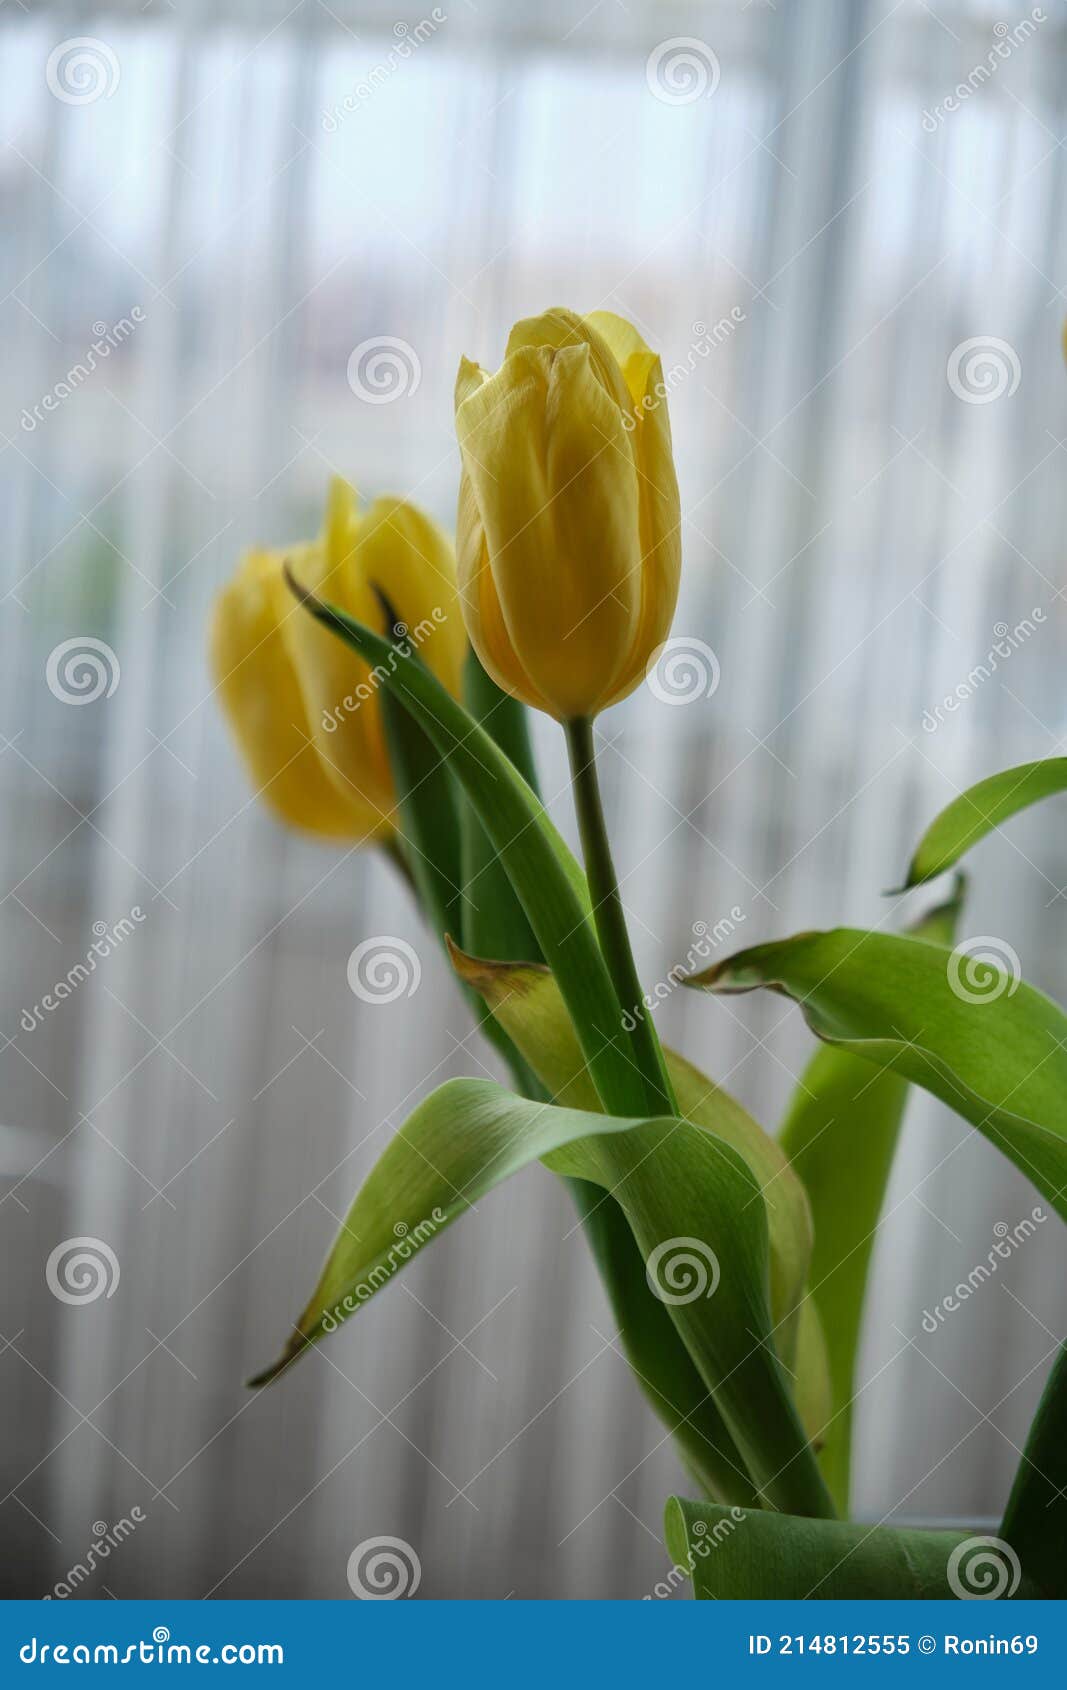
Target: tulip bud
x,y
568,536
304,707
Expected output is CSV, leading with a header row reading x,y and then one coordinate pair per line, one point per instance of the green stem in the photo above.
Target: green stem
x,y
610,918
393,849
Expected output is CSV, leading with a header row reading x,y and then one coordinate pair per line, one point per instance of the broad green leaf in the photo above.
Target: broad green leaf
x,y
554,900
692,1205
494,921
526,1005
738,1553
840,1134
1035,1520
979,810
657,1356
526,1002
541,869
549,883
987,1044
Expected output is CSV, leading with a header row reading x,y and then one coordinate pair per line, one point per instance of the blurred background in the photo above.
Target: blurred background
x,y
844,227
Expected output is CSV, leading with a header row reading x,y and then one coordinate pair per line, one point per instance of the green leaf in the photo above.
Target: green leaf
x,y
681,1190
992,1048
552,890
979,810
840,1134
737,1553
1035,1520
428,815
527,1006
429,834
495,925
656,1354
526,1003
549,883
494,922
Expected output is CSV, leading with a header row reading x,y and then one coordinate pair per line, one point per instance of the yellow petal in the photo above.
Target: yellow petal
x,y
339,696
481,606
264,705
552,471
410,559
660,520
559,328
469,379
627,347
569,517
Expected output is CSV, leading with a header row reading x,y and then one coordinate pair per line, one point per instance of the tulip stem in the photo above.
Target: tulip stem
x,y
610,918
393,849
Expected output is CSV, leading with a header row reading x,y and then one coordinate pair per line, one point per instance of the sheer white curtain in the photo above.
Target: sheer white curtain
x,y
254,191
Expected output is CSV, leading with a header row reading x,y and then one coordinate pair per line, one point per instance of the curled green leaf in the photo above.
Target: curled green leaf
x,y
527,1004
972,1032
737,1554
840,1133
690,1201
979,810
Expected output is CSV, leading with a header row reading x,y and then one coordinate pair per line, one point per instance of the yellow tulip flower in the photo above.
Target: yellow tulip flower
x,y
303,706
568,538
